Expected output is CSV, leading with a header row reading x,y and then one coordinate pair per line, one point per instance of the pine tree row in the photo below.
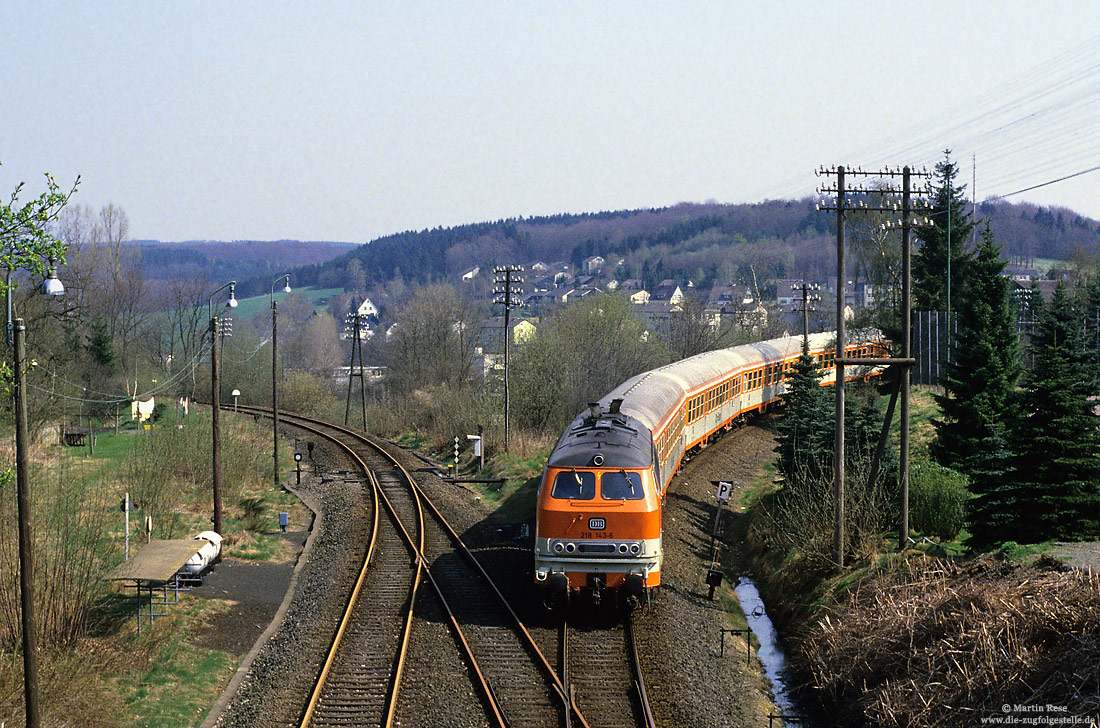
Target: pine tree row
x,y
1026,436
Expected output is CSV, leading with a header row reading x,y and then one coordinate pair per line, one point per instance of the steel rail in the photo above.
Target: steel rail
x,y
418,551
315,696
636,697
639,679
532,645
391,700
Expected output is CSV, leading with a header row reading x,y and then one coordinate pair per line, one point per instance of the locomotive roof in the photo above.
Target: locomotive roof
x,y
623,441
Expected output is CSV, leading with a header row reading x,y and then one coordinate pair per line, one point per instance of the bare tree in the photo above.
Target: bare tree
x,y
434,340
691,330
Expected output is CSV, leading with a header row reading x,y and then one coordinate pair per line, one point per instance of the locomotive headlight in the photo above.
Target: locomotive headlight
x,y
623,548
635,549
558,547
570,548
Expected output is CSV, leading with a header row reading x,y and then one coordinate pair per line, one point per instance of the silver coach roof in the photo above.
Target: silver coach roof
x,y
649,396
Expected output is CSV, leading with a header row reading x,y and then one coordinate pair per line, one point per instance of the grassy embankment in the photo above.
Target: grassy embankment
x,y
933,635
104,674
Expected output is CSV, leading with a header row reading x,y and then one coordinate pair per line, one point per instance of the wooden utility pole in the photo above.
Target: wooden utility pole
x,y
26,539
215,414
880,195
841,337
906,353
505,294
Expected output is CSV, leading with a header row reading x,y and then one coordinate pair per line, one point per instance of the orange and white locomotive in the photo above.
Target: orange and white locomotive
x,y
598,522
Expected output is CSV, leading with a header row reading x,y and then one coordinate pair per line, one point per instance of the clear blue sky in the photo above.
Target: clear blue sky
x,y
350,120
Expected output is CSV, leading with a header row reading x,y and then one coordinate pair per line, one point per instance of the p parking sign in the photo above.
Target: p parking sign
x,y
725,489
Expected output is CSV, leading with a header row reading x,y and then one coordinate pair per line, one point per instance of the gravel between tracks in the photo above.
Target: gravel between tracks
x,y
274,688
688,683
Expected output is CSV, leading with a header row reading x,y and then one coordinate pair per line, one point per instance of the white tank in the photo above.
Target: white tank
x,y
207,553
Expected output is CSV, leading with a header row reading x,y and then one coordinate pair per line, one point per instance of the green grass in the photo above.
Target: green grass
x,y
182,681
1023,552
411,440
112,447
265,547
515,498
249,307
922,410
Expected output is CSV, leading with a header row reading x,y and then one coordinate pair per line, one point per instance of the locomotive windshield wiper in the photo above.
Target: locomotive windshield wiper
x,y
629,482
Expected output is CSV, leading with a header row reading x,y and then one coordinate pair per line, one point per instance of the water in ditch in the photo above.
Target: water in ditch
x,y
771,652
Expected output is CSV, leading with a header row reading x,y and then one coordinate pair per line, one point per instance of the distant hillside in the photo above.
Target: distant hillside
x,y
247,260
703,243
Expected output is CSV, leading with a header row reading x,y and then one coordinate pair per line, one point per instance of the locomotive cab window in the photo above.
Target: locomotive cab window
x,y
621,486
574,485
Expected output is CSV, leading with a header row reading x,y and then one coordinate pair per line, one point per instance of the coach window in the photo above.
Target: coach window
x,y
621,486
574,485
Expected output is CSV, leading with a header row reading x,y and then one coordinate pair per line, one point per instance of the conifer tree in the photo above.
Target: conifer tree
x,y
808,428
945,239
979,397
1054,491
805,441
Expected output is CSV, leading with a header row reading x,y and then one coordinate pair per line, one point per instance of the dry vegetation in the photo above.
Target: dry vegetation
x,y
939,643
91,662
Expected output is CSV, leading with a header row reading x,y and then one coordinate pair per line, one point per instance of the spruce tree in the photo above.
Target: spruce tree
x,y
1054,491
980,387
944,239
805,442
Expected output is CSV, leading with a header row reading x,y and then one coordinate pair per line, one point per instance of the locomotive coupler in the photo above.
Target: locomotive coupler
x,y
596,583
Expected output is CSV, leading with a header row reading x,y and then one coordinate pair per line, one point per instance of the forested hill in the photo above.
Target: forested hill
x,y
225,260
705,243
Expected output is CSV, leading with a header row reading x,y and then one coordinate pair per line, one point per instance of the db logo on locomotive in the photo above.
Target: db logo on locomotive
x,y
597,524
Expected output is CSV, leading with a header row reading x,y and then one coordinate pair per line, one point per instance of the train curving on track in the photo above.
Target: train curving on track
x,y
598,522
411,544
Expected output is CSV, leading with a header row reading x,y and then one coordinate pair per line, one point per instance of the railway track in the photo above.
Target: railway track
x,y
360,679
602,672
360,682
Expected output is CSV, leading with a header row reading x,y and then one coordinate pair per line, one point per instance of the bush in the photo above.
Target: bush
x,y
937,500
253,510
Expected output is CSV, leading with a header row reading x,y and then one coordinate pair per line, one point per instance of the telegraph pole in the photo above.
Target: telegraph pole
x,y
504,293
355,322
808,298
215,413
881,201
26,539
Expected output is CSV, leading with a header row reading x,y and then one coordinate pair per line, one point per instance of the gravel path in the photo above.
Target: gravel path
x,y
692,684
1081,555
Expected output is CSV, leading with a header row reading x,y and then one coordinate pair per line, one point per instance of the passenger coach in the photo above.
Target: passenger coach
x,y
598,523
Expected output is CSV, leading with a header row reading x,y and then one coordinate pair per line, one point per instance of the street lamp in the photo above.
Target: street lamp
x,y
236,393
215,401
275,370
51,287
